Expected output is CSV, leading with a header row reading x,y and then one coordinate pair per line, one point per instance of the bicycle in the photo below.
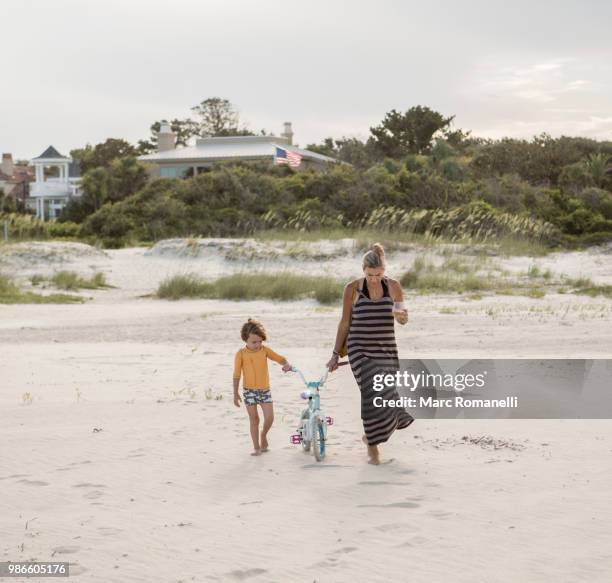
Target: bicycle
x,y
312,432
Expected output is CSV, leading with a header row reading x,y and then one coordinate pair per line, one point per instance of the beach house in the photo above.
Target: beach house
x,y
57,181
15,179
172,162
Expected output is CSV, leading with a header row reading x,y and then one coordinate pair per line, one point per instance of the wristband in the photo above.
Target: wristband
x,y
336,353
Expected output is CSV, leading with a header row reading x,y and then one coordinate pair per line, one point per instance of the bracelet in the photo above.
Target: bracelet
x,y
336,353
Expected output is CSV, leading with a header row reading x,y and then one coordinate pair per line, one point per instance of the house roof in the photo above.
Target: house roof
x,y
51,154
228,148
20,174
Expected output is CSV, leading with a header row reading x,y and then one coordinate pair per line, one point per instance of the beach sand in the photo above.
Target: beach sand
x,y
122,453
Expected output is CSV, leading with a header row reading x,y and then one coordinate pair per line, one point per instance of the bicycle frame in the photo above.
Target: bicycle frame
x,y
313,424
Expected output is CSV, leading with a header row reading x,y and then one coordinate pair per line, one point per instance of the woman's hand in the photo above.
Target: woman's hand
x,y
401,317
332,363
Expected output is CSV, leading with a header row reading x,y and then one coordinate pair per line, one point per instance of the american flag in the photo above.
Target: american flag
x,y
287,157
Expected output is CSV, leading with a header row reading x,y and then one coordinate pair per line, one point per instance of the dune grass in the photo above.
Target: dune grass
x,y
595,290
401,240
11,294
454,275
70,281
253,286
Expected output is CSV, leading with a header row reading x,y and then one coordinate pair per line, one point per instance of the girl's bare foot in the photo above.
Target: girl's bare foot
x,y
264,443
257,452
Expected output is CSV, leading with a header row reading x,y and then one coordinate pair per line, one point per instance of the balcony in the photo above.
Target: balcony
x,y
55,188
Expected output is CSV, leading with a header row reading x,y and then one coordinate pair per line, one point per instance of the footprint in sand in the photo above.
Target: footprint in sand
x,y
76,569
415,540
93,494
65,550
391,526
241,575
345,550
392,505
382,483
109,530
441,515
34,482
88,485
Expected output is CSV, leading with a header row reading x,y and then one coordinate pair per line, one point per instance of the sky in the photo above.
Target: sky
x,y
81,71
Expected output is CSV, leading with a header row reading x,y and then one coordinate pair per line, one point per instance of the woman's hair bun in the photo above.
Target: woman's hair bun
x,y
378,249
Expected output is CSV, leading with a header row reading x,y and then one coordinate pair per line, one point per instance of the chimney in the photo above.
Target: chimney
x,y
165,138
288,132
7,167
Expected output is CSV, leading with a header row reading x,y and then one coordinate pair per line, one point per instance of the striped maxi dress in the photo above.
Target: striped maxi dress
x,y
372,349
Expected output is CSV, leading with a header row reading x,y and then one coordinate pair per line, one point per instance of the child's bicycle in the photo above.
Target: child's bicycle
x,y
312,432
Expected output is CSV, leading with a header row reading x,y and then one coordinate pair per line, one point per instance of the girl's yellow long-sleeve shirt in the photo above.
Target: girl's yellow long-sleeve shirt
x,y
253,364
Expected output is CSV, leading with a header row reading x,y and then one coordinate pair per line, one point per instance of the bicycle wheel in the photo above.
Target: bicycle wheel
x,y
318,440
305,442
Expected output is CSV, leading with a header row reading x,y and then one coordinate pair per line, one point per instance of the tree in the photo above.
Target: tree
x,y
598,167
103,154
183,128
127,176
409,133
218,117
350,150
327,148
96,185
100,185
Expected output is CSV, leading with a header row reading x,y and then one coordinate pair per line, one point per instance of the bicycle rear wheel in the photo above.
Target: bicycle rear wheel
x,y
318,440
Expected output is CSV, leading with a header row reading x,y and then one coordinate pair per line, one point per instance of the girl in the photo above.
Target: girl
x,y
252,363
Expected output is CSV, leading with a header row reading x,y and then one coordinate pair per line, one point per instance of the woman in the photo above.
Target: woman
x,y
367,325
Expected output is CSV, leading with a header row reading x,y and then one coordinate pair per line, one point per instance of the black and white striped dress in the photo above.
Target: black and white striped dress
x,y
372,349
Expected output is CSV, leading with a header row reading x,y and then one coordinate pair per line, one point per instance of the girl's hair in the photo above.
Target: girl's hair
x,y
253,327
375,257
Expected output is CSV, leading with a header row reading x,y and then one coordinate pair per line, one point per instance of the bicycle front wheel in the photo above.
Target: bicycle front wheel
x,y
318,439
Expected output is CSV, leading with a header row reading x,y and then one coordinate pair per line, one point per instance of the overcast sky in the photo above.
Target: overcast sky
x,y
80,71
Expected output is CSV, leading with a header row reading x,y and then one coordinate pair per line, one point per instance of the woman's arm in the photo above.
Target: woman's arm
x,y
397,294
343,325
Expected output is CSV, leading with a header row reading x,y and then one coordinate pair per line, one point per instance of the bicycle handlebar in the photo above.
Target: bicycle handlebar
x,y
320,382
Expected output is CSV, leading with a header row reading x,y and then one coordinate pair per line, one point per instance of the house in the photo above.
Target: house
x,y
57,181
172,162
15,179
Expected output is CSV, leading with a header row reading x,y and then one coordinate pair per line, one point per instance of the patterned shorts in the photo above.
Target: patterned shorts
x,y
256,396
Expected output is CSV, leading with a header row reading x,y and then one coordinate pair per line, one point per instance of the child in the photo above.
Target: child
x,y
252,362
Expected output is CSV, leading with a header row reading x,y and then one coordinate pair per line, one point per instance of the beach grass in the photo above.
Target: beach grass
x,y
11,294
70,281
252,286
401,240
595,290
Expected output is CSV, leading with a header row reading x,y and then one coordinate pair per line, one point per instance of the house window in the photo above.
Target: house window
x,y
173,171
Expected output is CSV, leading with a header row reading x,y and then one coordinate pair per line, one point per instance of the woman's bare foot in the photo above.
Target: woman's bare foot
x,y
264,443
373,455
256,452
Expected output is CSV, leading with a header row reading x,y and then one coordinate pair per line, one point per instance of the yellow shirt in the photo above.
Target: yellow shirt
x,y
253,365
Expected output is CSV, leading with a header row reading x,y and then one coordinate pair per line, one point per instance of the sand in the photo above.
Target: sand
x,y
123,454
